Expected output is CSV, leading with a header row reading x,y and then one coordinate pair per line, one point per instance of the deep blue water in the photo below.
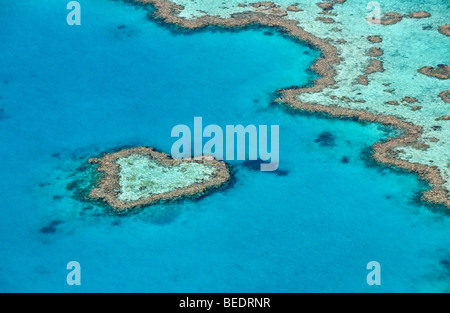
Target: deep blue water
x,y
69,93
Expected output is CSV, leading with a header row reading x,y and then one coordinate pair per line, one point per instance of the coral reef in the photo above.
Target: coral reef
x,y
441,72
141,176
445,29
419,14
335,64
445,96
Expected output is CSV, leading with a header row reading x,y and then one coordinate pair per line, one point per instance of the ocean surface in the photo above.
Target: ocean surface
x,y
68,93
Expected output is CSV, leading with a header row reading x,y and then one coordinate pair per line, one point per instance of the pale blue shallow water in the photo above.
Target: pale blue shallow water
x,y
68,93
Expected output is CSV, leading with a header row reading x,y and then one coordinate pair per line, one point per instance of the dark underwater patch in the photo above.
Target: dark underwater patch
x,y
122,31
50,228
88,208
345,160
73,185
163,215
436,127
326,139
255,165
367,158
445,263
86,178
279,172
91,210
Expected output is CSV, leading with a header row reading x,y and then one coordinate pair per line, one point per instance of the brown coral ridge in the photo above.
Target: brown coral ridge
x,y
268,7
445,29
363,80
443,118
419,14
326,20
326,6
392,18
324,67
441,72
410,99
108,188
267,4
445,96
374,39
389,18
374,66
375,52
293,8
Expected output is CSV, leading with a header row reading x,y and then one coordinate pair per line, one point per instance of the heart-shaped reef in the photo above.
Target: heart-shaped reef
x,y
141,176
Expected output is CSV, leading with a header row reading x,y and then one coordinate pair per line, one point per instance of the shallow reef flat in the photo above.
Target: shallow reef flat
x,y
141,176
392,71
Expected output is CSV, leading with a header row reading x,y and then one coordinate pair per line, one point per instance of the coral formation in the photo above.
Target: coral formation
x,y
441,71
331,61
141,176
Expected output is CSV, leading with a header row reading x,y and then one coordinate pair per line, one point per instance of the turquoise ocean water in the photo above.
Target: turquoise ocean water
x,y
69,93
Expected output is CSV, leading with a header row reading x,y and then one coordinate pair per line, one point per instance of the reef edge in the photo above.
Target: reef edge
x,y
383,152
